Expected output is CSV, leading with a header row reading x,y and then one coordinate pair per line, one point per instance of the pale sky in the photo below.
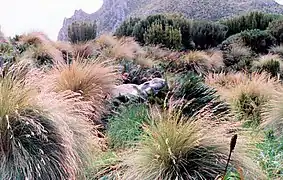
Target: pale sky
x,y
22,16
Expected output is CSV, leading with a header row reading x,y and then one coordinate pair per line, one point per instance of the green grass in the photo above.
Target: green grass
x,y
271,156
125,128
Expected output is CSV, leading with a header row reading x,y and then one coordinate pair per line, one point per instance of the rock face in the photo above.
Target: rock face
x,y
113,12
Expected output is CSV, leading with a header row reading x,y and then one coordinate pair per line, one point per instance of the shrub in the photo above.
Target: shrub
x,y
125,129
171,31
207,34
82,31
276,29
269,63
168,36
176,147
35,142
127,27
259,41
249,21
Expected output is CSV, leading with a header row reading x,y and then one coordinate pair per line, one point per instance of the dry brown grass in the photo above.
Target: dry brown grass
x,y
44,44
225,80
246,94
232,84
83,50
92,80
264,60
114,48
272,113
25,125
201,61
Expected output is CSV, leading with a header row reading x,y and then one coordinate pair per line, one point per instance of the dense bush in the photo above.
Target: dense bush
x,y
207,34
168,36
259,41
82,31
276,29
170,31
127,27
252,20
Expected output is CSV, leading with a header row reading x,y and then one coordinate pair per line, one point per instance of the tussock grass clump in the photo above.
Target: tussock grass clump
x,y
35,143
272,113
125,129
92,80
200,61
175,147
277,50
238,57
83,50
270,63
248,96
227,80
44,44
114,48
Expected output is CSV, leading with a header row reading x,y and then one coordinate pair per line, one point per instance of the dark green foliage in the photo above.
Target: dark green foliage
x,y
276,29
249,21
207,34
125,128
259,41
82,31
270,156
168,36
193,90
32,148
127,27
171,31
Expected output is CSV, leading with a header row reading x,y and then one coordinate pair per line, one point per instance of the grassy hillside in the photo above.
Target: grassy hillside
x,y
60,118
